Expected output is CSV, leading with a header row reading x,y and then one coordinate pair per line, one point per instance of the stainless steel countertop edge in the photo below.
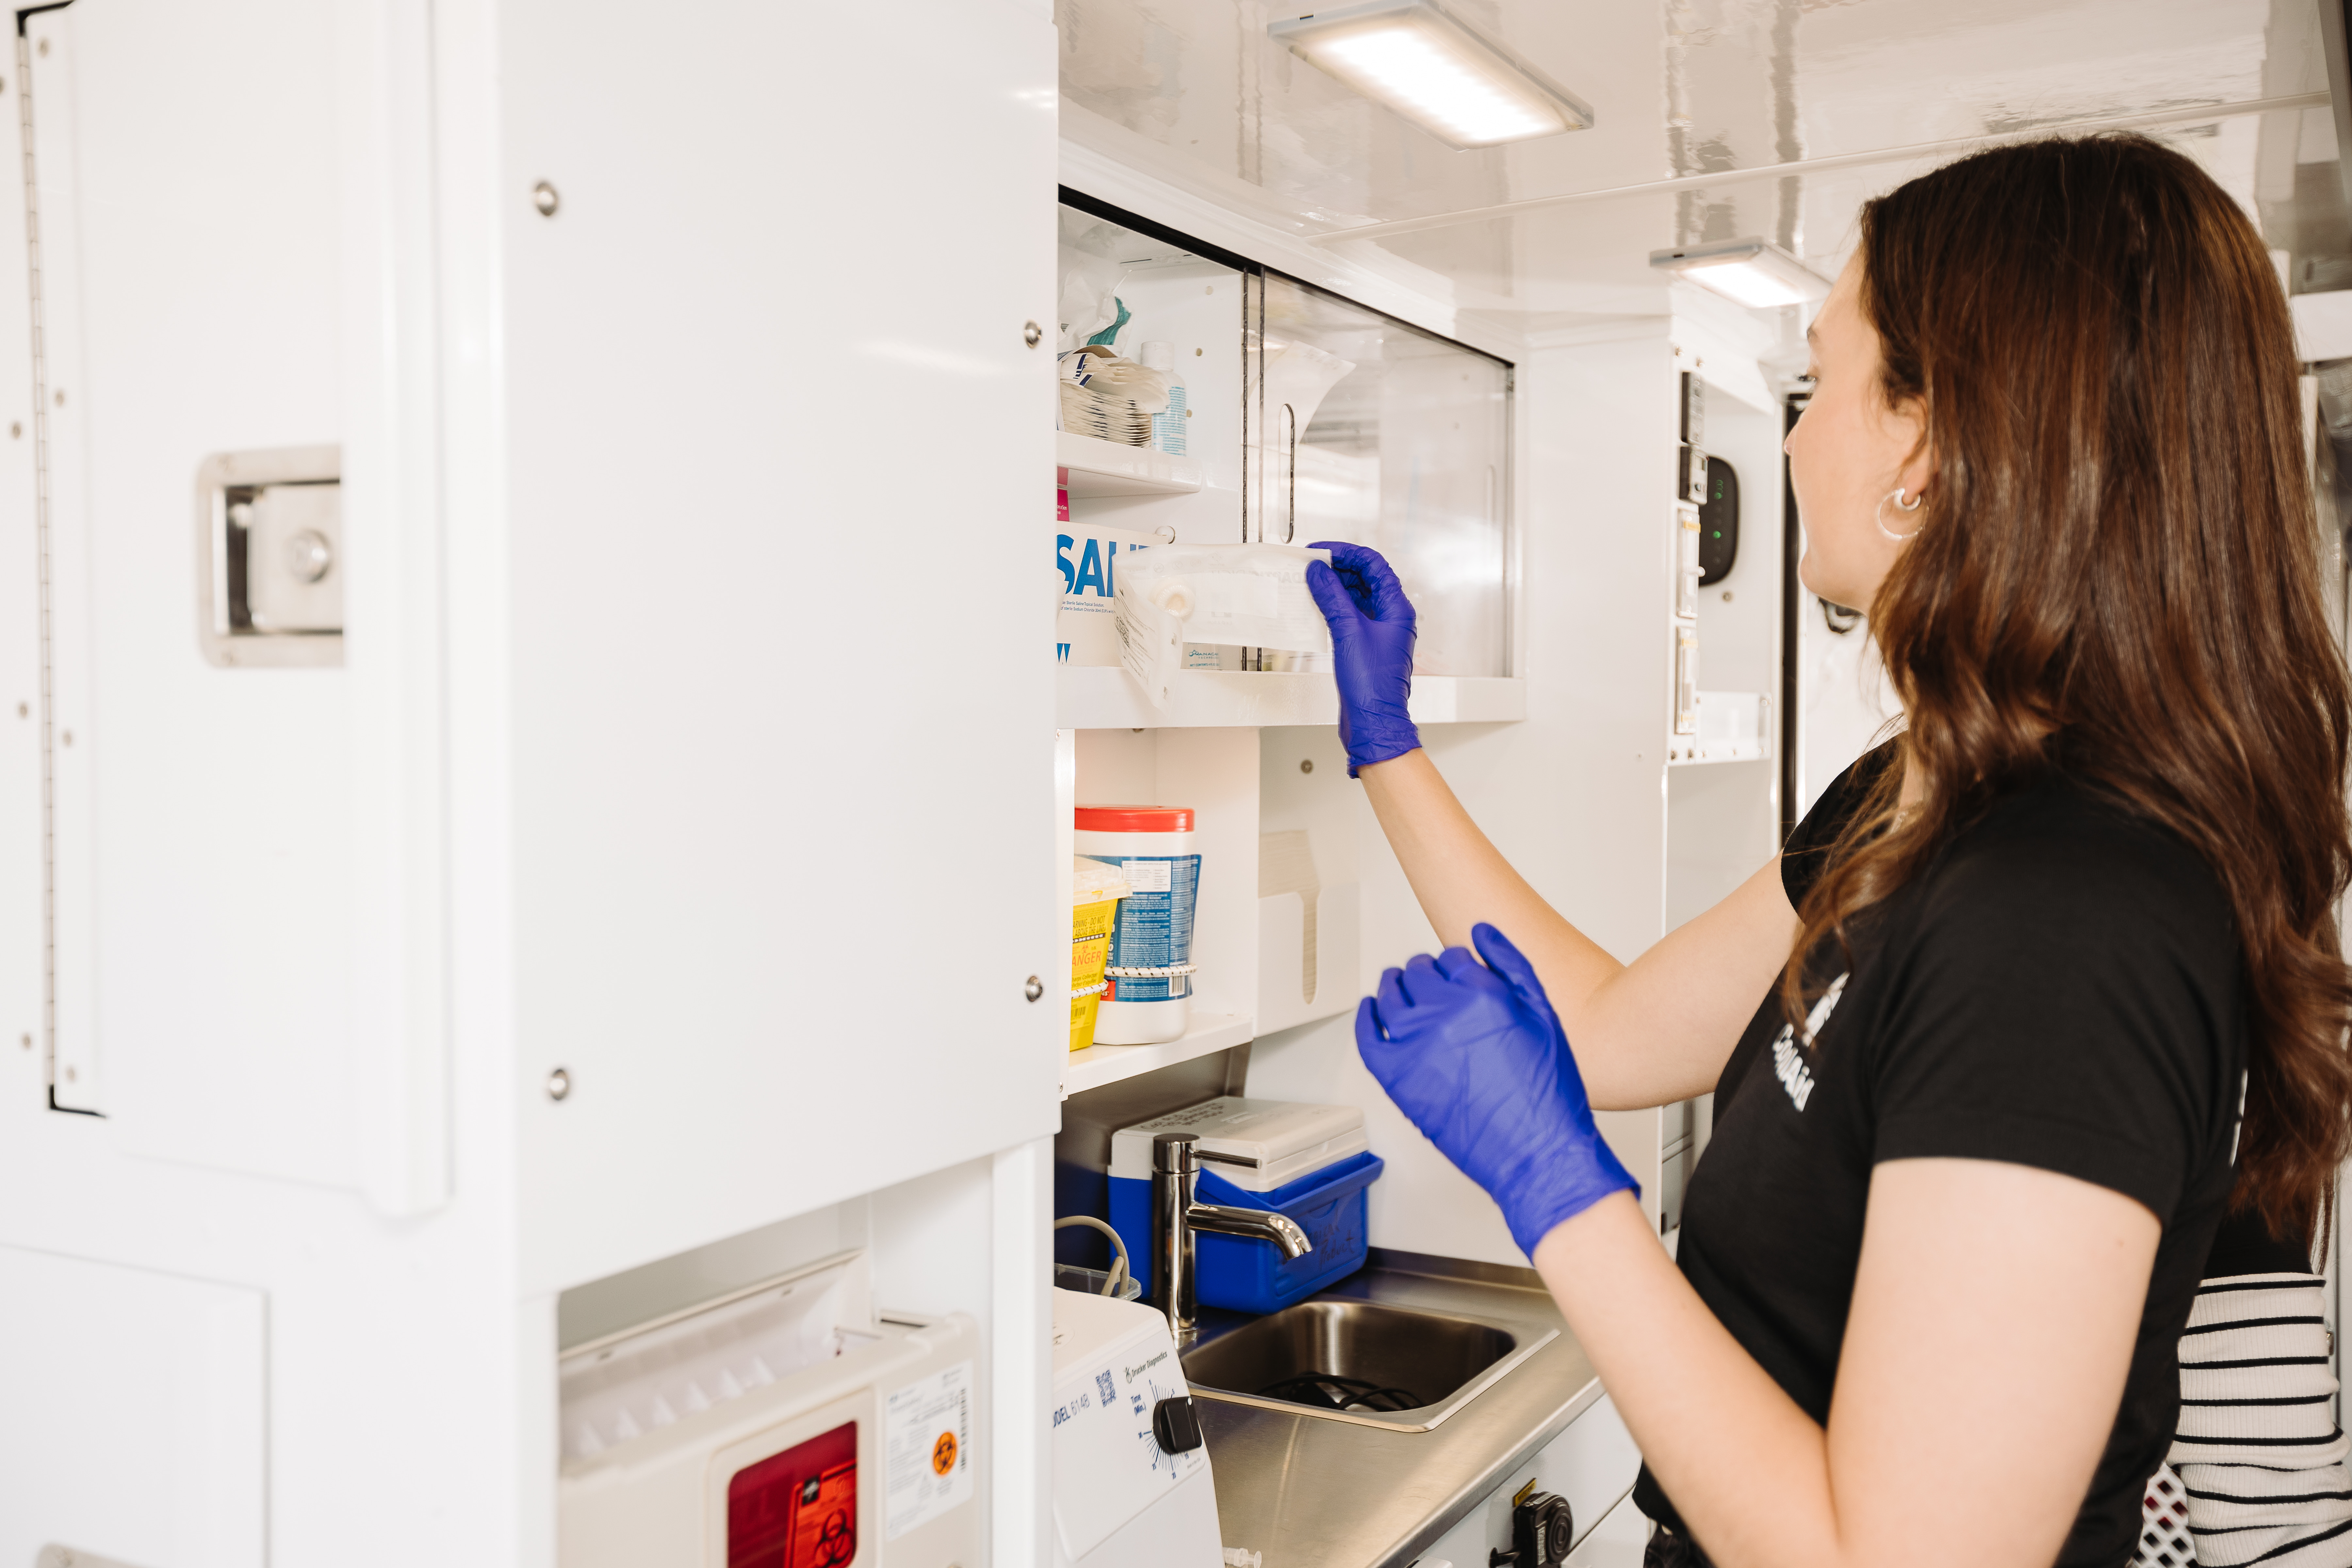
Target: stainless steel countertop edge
x,y
1311,1492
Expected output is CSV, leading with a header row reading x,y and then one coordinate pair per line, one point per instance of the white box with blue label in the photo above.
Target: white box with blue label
x,y
1086,559
1311,1163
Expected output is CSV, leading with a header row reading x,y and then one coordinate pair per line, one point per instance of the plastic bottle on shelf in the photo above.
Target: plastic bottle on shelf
x,y
1151,968
1095,889
1167,425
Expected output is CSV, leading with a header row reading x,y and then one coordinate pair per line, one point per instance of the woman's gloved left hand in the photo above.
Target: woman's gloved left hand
x,y
1371,651
1474,1054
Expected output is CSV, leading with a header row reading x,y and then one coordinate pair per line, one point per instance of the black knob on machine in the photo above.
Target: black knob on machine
x,y
1176,1425
1543,1528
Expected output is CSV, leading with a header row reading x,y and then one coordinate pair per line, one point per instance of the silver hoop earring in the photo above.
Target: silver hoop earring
x,y
1880,518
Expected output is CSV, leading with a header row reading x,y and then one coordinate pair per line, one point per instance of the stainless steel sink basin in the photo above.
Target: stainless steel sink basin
x,y
1355,1361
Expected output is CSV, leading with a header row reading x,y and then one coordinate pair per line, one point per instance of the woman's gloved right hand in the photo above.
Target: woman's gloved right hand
x,y
1371,649
1474,1055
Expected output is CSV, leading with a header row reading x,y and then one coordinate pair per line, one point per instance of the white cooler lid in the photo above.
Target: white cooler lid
x,y
1256,1144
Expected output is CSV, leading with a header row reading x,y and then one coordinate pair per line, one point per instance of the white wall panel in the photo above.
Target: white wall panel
x,y
49,106
135,1415
203,898
22,1058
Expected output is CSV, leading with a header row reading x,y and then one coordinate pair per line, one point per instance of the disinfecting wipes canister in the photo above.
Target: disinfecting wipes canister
x,y
1150,999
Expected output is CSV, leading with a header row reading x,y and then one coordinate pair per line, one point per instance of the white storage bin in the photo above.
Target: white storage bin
x,y
1256,1144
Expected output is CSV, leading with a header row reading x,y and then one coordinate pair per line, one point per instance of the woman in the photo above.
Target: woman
x,y
2047,983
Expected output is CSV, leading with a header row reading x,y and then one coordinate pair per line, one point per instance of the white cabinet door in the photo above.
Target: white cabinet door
x,y
191,285
783,731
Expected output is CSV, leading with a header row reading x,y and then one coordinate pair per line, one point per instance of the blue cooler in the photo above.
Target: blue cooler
x,y
1308,1163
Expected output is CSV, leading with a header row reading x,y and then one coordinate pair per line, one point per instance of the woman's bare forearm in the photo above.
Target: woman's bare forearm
x,y
1956,1379
1646,1034
1462,878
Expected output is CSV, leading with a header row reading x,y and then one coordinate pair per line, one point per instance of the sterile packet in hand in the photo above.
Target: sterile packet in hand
x,y
1251,596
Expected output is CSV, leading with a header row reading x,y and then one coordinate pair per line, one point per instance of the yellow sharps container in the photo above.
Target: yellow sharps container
x,y
1095,889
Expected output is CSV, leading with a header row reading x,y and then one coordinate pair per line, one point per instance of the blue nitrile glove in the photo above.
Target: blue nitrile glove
x,y
1474,1055
1371,647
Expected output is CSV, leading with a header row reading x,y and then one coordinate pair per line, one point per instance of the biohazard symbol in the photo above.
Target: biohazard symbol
x,y
835,1542
943,1454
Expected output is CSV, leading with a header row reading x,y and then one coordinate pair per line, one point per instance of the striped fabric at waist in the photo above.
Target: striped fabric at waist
x,y
2258,1450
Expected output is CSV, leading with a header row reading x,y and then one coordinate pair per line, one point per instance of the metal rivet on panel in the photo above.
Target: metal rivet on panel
x,y
25,1041
71,1075
44,46
67,737
1033,988
1727,595
15,430
559,1084
1307,765
1032,333
544,199
61,397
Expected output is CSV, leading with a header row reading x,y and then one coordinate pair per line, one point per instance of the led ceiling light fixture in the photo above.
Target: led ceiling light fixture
x,y
1413,57
1748,271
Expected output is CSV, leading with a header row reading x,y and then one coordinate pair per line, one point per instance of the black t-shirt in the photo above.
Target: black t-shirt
x,y
2061,988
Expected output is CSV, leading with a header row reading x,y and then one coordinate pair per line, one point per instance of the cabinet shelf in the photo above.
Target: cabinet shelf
x,y
1733,727
1098,697
1098,468
1098,1065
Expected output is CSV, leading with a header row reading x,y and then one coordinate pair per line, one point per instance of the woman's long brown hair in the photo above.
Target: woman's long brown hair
x,y
2119,554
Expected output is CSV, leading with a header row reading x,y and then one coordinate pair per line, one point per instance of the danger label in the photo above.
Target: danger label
x,y
927,1448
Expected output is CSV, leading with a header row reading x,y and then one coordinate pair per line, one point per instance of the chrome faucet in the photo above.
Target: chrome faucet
x,y
1175,1218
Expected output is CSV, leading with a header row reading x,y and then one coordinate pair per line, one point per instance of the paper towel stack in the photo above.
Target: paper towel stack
x,y
1110,398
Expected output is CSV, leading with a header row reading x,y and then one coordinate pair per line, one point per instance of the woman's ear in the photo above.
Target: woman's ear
x,y
1919,468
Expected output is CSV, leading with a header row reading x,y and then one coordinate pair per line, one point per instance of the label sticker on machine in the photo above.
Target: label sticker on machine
x,y
1109,1466
927,1448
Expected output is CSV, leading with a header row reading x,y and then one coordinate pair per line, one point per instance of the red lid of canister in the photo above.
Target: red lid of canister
x,y
1135,818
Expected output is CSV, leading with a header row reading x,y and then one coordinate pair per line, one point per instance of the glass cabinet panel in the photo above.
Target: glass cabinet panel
x,y
1308,417
1365,429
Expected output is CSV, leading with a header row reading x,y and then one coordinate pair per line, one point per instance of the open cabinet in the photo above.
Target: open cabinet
x,y
1306,418
1408,441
